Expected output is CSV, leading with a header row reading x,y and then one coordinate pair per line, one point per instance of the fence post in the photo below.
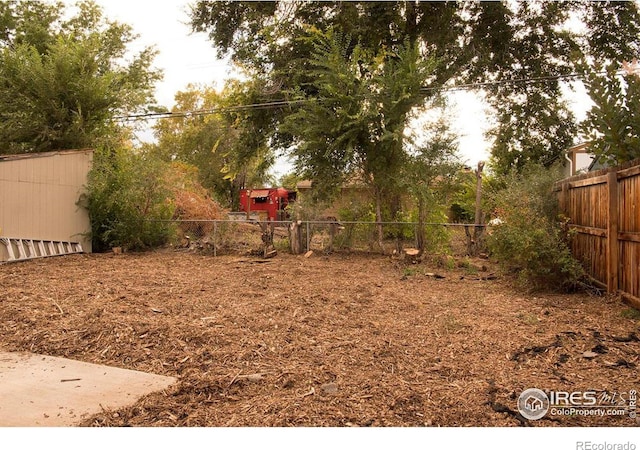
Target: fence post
x,y
308,237
612,232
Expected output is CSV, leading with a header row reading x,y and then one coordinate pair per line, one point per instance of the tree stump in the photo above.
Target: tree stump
x,y
268,251
412,255
295,237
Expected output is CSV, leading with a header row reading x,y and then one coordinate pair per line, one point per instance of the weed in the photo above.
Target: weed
x,y
630,313
451,324
528,318
411,271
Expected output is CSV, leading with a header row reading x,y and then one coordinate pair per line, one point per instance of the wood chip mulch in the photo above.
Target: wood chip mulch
x,y
338,340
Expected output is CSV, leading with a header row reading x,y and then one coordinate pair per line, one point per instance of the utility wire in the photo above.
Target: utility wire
x,y
284,103
204,112
532,80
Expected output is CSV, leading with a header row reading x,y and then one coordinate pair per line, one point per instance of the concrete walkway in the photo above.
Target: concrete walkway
x,y
38,390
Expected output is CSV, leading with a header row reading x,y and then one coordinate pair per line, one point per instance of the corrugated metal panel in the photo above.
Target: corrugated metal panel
x,y
39,195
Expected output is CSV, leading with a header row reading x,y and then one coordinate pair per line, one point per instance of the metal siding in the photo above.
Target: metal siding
x,y
38,197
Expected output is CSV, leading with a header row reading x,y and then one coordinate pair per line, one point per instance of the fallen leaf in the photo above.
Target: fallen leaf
x,y
329,388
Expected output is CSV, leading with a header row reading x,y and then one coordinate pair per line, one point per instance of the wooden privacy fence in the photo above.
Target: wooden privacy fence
x,y
604,211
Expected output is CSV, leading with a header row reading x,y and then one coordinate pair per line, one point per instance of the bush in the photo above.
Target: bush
x,y
128,201
531,240
437,238
191,201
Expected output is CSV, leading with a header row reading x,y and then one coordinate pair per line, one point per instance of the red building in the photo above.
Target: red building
x,y
272,201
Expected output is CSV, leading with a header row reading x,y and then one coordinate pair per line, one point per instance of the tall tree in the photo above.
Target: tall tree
x,y
354,125
432,173
612,126
211,138
486,42
527,42
352,89
535,124
62,81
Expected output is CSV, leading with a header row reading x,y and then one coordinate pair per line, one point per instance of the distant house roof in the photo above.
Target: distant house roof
x,y
304,184
579,148
352,183
259,193
581,159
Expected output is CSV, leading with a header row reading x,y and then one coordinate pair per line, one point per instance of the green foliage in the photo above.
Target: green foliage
x,y
630,313
538,129
431,176
437,238
289,181
62,82
612,30
353,127
357,211
612,126
531,240
533,121
215,143
128,200
487,42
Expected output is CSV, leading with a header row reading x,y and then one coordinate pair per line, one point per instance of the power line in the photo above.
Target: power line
x,y
284,103
531,80
205,112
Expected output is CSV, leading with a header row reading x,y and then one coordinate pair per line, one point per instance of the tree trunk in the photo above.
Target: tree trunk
x,y
332,235
267,238
420,237
295,237
479,229
469,240
379,218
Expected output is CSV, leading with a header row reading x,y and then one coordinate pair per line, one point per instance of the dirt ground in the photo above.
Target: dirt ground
x,y
339,340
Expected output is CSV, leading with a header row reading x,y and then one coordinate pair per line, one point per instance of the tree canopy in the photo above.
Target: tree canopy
x,y
495,43
353,127
612,126
213,140
63,81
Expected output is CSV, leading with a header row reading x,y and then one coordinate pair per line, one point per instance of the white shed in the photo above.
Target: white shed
x,y
39,211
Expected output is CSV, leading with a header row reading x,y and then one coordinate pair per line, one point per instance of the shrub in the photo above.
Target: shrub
x,y
128,201
191,201
531,241
437,238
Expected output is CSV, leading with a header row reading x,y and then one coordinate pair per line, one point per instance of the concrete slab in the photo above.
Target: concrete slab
x,y
38,390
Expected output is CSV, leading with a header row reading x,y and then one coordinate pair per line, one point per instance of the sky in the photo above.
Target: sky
x,y
187,58
183,56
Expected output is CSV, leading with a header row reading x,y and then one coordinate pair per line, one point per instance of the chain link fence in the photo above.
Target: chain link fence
x,y
231,236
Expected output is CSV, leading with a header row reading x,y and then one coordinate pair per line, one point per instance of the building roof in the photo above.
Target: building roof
x,y
42,154
579,148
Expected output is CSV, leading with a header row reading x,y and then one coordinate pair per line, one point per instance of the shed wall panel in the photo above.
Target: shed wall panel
x,y
39,196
